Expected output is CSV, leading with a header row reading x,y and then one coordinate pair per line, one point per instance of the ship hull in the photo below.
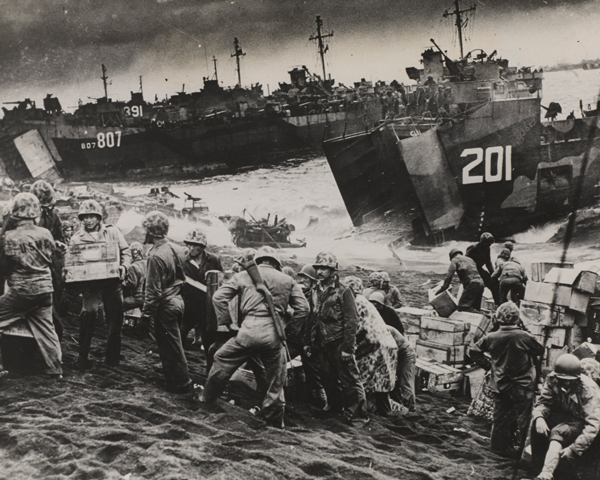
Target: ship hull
x,y
91,152
499,170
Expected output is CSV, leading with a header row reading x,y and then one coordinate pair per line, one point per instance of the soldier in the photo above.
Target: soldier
x,y
388,314
135,281
470,279
391,292
480,253
108,290
163,304
335,319
512,359
50,220
566,416
259,334
198,261
25,257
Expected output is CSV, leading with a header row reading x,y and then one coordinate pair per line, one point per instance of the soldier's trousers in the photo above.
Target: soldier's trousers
x,y
168,337
512,409
404,391
257,337
37,311
112,297
341,380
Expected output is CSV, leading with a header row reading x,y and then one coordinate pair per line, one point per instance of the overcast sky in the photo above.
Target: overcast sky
x,y
57,46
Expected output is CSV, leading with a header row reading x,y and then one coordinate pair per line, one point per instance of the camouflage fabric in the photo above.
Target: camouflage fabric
x,y
44,192
25,206
508,313
156,224
354,283
137,250
197,237
326,259
375,280
90,207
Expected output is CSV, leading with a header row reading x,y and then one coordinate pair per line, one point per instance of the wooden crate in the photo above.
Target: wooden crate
x,y
445,304
537,313
444,331
479,324
586,350
411,318
583,280
549,336
436,377
450,355
91,261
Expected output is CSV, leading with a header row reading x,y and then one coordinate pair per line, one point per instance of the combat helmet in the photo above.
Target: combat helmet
x,y
486,238
567,367
196,237
25,206
90,207
44,192
354,283
508,313
267,252
454,252
377,297
326,259
137,250
309,272
375,279
156,224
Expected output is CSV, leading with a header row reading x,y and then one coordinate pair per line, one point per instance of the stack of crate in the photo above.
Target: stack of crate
x,y
411,321
555,310
443,340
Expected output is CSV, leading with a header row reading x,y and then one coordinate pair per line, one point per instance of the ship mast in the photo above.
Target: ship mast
x,y
215,64
237,53
459,21
104,78
322,48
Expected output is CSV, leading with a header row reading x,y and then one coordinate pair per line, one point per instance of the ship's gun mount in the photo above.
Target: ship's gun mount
x,y
452,66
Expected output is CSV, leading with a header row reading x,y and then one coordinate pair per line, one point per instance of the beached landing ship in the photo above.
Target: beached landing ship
x,y
486,163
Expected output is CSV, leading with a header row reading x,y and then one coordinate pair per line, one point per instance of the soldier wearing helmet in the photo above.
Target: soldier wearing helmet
x,y
197,262
257,335
50,220
391,292
512,357
566,416
469,277
307,278
480,253
68,230
109,289
163,302
389,315
25,258
134,282
333,336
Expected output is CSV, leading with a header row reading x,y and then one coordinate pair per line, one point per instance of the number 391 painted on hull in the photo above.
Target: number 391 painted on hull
x,y
497,168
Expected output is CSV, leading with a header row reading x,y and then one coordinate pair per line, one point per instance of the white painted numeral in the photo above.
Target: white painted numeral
x,y
497,167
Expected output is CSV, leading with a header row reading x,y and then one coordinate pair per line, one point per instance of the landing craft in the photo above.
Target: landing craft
x,y
468,153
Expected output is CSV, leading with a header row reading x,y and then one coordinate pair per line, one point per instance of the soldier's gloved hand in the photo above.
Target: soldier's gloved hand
x,y
347,357
541,427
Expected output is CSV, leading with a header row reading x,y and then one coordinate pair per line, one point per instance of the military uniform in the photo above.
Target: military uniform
x,y
134,285
257,335
26,257
109,290
470,279
334,331
195,302
163,304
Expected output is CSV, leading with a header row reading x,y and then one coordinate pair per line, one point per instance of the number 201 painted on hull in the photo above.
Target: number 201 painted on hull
x,y
498,157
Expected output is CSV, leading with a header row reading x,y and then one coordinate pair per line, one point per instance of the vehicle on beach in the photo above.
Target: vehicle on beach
x,y
254,233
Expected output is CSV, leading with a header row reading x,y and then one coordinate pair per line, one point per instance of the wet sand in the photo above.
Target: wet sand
x,y
113,423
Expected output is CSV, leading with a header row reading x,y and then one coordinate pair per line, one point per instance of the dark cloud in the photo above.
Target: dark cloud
x,y
57,40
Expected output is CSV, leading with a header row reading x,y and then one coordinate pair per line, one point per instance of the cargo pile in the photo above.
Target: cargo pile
x,y
555,308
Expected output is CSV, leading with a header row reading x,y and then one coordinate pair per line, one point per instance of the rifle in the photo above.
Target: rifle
x,y
252,269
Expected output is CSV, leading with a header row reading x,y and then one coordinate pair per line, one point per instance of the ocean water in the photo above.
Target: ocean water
x,y
305,193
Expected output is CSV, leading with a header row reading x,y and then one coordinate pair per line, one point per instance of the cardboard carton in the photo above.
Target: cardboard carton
x,y
583,280
556,294
540,269
586,350
91,261
536,313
